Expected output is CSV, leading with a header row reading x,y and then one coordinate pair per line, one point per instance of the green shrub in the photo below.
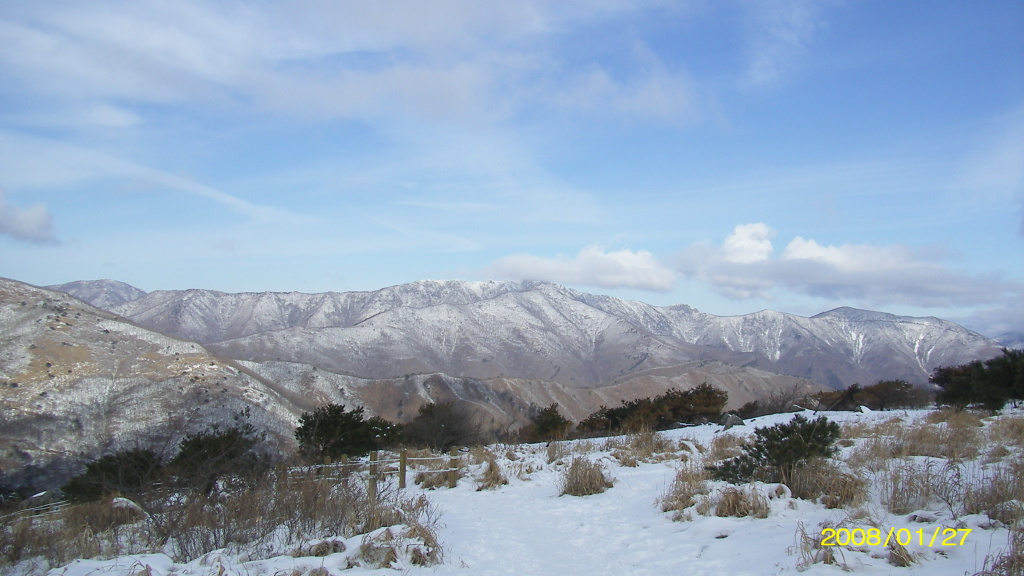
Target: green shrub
x,y
128,472
778,450
204,457
546,425
703,403
442,426
990,383
331,431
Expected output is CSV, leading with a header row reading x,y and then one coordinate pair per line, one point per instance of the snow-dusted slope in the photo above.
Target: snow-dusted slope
x,y
77,382
546,331
104,294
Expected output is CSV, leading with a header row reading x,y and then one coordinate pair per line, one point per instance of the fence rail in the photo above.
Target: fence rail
x,y
376,469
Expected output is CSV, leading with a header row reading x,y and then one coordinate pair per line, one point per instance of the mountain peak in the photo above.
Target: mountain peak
x,y
104,294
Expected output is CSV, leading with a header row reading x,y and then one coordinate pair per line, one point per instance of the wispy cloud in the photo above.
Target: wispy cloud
x,y
592,266
451,60
780,33
32,224
743,267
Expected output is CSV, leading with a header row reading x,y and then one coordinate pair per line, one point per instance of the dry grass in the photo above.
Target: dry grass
x,y
955,418
821,480
303,503
741,502
997,492
691,481
808,547
1009,561
906,485
492,475
642,446
557,450
1008,430
723,447
583,477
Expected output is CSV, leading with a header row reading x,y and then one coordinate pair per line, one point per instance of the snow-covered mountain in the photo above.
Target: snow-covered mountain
x,y
537,330
104,294
77,382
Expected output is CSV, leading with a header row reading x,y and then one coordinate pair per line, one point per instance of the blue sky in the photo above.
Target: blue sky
x,y
730,155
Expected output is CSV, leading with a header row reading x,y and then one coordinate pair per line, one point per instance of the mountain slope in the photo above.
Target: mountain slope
x,y
103,294
545,331
76,382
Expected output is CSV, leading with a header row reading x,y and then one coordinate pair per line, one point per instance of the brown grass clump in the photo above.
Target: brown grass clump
x,y
691,480
899,556
955,418
723,447
821,480
643,446
583,477
997,492
1007,430
492,476
906,485
808,547
556,451
740,503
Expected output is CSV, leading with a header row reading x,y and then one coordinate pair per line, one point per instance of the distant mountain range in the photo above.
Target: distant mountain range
x,y
536,330
88,367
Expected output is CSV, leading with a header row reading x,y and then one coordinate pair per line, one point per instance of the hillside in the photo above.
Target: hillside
x,y
76,381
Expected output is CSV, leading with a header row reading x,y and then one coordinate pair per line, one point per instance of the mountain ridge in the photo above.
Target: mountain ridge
x,y
535,329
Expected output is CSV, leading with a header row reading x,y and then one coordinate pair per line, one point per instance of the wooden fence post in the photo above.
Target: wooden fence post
x,y
372,487
403,457
453,468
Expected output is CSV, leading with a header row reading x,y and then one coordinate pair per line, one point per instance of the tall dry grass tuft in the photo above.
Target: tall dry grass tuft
x,y
1008,430
644,446
723,447
821,480
583,477
691,481
741,502
906,485
997,491
492,475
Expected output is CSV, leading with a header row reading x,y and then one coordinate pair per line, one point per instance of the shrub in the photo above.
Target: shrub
x,y
990,383
884,395
442,426
546,425
700,404
778,450
128,472
204,457
582,478
331,431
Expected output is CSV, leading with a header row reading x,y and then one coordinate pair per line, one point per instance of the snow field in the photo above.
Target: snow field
x,y
526,528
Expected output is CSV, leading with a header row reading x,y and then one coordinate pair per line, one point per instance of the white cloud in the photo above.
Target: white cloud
x,y
32,224
867,275
593,266
748,243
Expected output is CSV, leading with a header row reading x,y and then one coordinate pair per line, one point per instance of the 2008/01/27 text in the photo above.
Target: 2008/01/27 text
x,y
902,536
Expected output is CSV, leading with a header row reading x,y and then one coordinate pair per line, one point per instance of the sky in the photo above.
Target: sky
x,y
731,155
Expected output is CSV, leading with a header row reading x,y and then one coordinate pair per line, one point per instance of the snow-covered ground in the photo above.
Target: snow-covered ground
x,y
527,528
